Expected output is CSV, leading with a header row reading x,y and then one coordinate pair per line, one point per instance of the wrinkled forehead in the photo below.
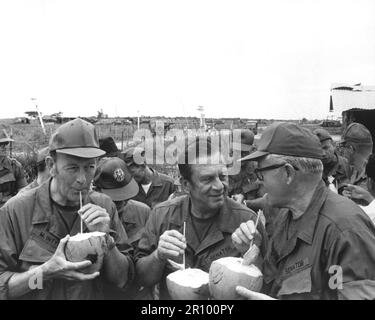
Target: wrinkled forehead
x,y
209,169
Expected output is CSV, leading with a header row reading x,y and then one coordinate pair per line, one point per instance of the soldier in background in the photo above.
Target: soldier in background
x,y
42,171
336,168
12,175
356,146
154,187
244,186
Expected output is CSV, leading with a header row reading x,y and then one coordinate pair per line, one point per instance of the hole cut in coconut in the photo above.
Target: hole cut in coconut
x,y
193,278
235,265
85,236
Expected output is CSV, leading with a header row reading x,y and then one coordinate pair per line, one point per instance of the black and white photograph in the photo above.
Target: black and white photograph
x,y
206,151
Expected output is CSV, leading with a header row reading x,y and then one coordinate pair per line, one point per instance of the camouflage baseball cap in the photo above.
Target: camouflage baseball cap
x,y
77,138
114,179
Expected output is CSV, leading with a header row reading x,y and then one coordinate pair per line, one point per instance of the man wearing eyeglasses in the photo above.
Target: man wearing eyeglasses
x,y
12,177
323,245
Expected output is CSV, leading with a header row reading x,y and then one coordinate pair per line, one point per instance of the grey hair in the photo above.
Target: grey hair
x,y
306,165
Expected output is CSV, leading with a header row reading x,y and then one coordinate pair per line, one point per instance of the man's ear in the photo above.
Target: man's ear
x,y
290,173
51,165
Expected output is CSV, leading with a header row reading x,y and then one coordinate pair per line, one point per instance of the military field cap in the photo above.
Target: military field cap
x,y
114,179
42,154
4,137
322,134
247,140
77,138
134,155
288,139
357,133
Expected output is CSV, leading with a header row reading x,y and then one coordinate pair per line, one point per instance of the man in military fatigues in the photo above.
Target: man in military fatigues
x,y
356,146
12,176
35,227
244,185
323,245
210,218
113,179
336,168
154,187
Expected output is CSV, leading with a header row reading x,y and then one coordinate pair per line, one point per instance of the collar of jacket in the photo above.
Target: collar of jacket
x,y
226,221
43,208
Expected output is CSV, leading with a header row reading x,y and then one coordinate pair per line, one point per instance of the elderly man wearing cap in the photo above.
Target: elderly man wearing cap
x,y
336,168
244,185
12,176
35,226
356,146
323,246
42,170
154,187
210,217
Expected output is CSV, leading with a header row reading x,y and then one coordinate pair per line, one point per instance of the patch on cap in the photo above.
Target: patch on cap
x,y
119,175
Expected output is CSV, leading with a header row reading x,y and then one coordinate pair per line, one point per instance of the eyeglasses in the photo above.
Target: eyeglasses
x,y
259,174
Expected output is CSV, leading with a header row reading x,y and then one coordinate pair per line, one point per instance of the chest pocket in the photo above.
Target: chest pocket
x,y
297,283
39,247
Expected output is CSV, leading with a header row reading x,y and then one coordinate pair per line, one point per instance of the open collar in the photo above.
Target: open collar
x,y
44,211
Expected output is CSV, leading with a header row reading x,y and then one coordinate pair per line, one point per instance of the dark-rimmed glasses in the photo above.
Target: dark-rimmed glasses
x,y
259,174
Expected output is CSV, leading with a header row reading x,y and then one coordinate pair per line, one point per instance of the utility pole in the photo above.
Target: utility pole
x,y
39,116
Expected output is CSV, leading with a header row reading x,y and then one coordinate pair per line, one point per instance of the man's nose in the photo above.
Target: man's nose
x,y
81,177
218,184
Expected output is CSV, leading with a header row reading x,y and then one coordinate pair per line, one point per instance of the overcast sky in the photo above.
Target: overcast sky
x,y
253,59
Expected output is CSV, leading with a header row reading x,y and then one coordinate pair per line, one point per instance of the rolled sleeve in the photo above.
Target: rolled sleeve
x,y
119,234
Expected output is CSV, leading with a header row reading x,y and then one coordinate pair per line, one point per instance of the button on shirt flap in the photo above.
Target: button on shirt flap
x,y
299,282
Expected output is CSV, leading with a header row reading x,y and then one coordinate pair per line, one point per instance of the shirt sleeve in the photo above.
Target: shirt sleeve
x,y
119,234
149,238
351,265
8,253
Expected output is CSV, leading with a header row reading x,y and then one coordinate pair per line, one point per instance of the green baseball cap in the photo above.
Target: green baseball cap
x,y
77,138
289,139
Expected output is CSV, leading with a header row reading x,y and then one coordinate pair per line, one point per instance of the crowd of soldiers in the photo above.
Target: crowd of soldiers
x,y
315,200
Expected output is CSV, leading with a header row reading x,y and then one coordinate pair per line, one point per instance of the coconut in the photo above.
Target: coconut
x,y
188,284
228,273
90,246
